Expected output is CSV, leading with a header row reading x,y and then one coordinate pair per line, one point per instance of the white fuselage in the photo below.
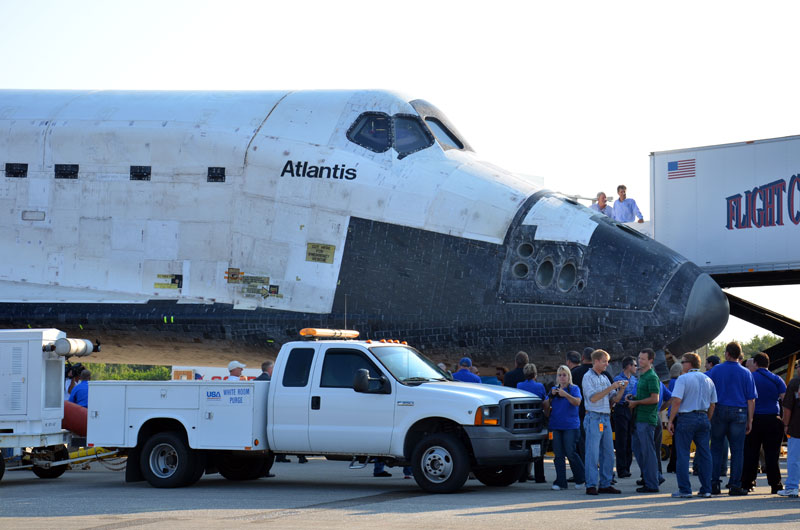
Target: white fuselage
x,y
292,180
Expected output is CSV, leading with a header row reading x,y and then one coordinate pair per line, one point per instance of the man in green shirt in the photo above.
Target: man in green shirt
x,y
645,406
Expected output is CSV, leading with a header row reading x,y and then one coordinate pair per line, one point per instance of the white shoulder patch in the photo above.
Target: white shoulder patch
x,y
558,220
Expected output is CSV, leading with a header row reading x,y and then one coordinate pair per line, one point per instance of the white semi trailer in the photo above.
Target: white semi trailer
x,y
732,208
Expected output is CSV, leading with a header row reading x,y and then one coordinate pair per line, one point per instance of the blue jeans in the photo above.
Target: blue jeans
x,y
565,445
599,450
792,463
731,423
689,427
645,434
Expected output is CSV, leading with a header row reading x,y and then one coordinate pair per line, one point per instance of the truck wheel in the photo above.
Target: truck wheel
x,y
440,463
53,471
234,467
167,461
499,476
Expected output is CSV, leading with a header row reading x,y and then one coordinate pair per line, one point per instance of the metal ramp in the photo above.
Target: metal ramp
x,y
783,355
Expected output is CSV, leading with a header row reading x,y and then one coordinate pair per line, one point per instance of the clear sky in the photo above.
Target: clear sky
x,y
578,92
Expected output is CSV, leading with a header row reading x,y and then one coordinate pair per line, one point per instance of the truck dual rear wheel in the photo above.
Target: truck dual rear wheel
x,y
236,467
167,461
499,476
53,471
440,463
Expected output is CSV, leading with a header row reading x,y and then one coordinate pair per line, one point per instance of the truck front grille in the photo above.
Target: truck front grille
x,y
522,415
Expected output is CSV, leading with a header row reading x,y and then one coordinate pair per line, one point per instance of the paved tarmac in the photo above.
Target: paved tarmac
x,y
324,494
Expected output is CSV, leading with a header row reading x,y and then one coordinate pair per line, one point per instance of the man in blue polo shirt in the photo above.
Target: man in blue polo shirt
x,y
733,417
80,394
767,431
464,373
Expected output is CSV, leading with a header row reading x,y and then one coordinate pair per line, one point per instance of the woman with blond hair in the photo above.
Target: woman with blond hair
x,y
562,407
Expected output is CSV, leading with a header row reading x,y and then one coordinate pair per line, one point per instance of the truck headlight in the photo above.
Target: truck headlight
x,y
487,415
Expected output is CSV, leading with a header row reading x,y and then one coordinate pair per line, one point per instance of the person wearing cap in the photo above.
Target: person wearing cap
x,y
71,378
235,371
465,373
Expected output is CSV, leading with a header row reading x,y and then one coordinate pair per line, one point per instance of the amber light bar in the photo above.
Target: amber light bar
x,y
322,333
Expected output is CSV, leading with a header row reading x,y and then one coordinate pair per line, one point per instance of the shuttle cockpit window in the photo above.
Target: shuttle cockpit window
x,y
372,130
377,132
446,133
447,139
410,135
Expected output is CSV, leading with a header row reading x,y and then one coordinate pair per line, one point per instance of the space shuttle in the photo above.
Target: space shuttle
x,y
238,218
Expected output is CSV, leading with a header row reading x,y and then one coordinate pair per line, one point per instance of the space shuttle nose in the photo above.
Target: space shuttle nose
x,y
706,314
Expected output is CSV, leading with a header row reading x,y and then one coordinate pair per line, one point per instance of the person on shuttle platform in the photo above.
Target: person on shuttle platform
x,y
625,209
602,205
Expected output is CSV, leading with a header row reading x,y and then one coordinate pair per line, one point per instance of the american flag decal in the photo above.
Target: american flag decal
x,y
681,169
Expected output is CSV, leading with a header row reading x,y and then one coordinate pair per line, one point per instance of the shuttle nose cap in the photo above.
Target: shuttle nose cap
x,y
706,314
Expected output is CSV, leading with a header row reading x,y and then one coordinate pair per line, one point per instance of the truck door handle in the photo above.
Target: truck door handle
x,y
315,402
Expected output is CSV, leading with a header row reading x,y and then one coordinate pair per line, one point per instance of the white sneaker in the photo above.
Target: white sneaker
x,y
556,487
788,492
580,486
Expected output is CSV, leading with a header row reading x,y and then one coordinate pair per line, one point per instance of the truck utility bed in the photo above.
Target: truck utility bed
x,y
230,415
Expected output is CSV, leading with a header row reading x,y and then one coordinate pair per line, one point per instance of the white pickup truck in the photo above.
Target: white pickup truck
x,y
350,400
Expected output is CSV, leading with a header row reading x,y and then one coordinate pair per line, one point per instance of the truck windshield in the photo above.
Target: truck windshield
x,y
407,365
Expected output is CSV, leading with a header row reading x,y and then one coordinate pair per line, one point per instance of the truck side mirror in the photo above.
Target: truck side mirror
x,y
361,380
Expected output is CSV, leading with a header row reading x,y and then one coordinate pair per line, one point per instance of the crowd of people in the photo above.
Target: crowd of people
x,y
596,421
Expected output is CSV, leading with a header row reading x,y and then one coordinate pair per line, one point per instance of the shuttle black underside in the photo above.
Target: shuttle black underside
x,y
447,296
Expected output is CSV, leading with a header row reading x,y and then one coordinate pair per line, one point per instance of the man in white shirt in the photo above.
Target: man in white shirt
x,y
600,394
235,371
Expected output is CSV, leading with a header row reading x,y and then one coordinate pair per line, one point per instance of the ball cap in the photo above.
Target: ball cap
x,y
235,364
465,361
